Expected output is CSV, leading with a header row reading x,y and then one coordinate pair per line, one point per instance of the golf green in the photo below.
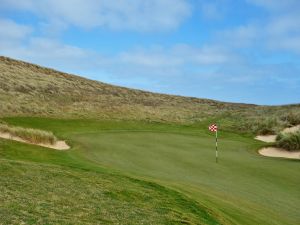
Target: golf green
x,y
242,188
248,187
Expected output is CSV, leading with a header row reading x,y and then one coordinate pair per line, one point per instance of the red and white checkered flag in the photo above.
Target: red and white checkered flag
x,y
213,128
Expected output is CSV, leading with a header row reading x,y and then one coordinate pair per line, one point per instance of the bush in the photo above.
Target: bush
x,y
32,135
289,141
292,118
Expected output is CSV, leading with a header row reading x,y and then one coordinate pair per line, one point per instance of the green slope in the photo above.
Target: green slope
x,y
44,186
33,193
254,185
244,188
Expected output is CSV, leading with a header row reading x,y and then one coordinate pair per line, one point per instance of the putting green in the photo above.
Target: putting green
x,y
250,188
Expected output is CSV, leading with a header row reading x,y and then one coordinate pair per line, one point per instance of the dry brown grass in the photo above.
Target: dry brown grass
x,y
31,90
288,141
31,135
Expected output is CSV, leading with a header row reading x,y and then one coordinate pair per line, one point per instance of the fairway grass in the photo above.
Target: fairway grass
x,y
34,193
169,171
242,181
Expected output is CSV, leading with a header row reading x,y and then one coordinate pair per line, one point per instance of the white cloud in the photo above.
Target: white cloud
x,y
154,61
213,9
136,15
178,55
277,5
285,24
49,52
9,30
279,31
240,36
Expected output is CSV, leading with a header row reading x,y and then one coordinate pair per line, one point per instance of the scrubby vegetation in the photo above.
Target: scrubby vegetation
x,y
293,118
32,135
32,90
289,141
270,124
265,127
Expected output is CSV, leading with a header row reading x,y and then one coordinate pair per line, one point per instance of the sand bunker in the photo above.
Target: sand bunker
x,y
272,138
266,138
59,145
291,129
278,152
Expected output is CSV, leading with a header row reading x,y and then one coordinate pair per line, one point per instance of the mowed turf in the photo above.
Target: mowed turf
x,y
250,188
243,188
34,193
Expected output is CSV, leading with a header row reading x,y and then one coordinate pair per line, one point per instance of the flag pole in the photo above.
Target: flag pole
x,y
214,128
216,146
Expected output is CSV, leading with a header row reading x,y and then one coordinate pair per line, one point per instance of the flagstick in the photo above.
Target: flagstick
x,y
216,146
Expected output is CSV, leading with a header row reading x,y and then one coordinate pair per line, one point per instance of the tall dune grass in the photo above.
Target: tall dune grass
x,y
289,141
293,118
50,93
31,135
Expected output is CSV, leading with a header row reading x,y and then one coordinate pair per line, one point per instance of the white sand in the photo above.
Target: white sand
x,y
277,152
266,138
59,145
291,129
272,138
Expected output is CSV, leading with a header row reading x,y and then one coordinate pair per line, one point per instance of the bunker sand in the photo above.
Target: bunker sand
x,y
59,145
266,138
278,152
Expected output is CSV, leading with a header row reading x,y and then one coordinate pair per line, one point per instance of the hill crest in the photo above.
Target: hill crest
x,y
50,88
27,89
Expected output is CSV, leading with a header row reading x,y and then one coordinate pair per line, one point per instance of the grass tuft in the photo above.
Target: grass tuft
x,y
267,126
292,118
289,141
32,135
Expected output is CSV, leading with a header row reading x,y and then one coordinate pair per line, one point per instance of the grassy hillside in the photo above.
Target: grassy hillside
x,y
31,90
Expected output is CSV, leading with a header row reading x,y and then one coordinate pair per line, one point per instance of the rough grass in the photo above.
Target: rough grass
x,y
31,90
289,141
265,127
35,136
35,193
292,118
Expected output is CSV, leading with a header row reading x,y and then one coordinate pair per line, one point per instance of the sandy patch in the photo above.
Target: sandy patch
x,y
59,145
272,138
278,152
266,138
291,129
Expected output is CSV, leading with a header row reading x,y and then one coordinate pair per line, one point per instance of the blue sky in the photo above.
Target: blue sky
x,y
229,50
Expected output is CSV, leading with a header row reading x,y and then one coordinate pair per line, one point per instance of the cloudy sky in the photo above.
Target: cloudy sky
x,y
230,50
